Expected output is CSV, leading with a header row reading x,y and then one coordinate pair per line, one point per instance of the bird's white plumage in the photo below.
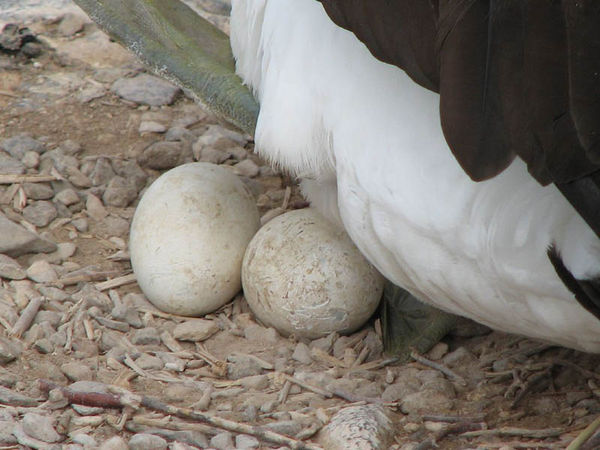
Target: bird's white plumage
x,y
360,131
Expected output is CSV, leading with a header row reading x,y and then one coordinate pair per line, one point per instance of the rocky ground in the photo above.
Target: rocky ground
x,y
83,131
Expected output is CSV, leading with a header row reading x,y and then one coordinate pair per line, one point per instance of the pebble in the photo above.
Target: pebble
x,y
41,272
178,393
146,336
75,371
17,146
149,362
438,351
162,155
426,401
211,155
146,441
11,269
146,89
114,443
195,330
81,224
287,427
6,432
15,240
40,427
127,314
246,168
256,333
85,440
40,213
31,160
242,366
131,171
302,353
71,24
149,126
95,208
119,192
67,197
38,191
245,441
10,165
101,173
256,382
222,441
115,226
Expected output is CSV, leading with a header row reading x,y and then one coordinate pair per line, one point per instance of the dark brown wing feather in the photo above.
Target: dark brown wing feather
x,y
515,78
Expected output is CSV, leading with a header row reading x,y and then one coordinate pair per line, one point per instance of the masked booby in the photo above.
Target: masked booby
x,y
457,142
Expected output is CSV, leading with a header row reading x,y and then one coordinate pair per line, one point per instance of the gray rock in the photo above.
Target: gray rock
x,y
258,333
180,134
119,192
146,441
287,427
61,161
44,346
242,366
115,225
41,272
146,89
114,443
149,362
70,147
245,441
212,155
325,343
40,427
6,432
302,353
246,168
162,155
256,382
11,269
130,170
10,165
40,213
70,24
146,336
426,401
101,173
128,315
67,197
38,191
222,441
75,371
195,330
95,208
31,160
178,393
85,440
81,224
78,178
15,240
20,144
149,126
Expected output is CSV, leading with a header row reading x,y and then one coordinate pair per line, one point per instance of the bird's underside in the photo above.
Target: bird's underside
x,y
515,78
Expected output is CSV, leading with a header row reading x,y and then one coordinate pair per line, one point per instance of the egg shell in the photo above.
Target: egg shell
x,y
188,238
303,275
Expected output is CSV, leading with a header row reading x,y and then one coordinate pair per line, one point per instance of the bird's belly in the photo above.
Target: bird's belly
x,y
468,266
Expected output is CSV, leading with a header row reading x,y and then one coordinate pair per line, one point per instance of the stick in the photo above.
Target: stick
x,y
27,316
116,282
8,178
584,435
445,370
307,386
521,432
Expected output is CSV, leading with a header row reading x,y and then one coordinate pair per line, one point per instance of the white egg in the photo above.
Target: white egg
x,y
188,238
303,275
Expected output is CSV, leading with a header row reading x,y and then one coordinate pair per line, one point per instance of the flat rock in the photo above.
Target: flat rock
x,y
114,443
146,89
40,213
119,192
10,165
41,271
40,427
67,197
195,330
149,126
11,269
146,336
426,401
162,155
20,144
38,191
95,208
222,441
75,371
245,441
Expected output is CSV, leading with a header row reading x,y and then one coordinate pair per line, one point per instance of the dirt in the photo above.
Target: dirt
x,y
510,381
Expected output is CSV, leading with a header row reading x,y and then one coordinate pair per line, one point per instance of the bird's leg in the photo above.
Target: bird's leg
x,y
408,324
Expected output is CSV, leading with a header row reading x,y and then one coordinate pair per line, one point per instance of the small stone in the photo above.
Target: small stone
x,y
44,346
146,336
245,441
38,191
119,192
67,197
114,443
178,393
149,362
460,357
211,155
31,160
95,208
77,178
544,406
11,269
146,89
101,173
325,343
127,314
6,432
70,147
115,225
41,272
302,353
10,165
77,371
287,427
195,330
70,24
81,224
242,366
260,334
256,382
146,441
246,168
438,351
151,127
40,427
20,144
131,171
222,441
426,401
179,134
162,155
40,213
